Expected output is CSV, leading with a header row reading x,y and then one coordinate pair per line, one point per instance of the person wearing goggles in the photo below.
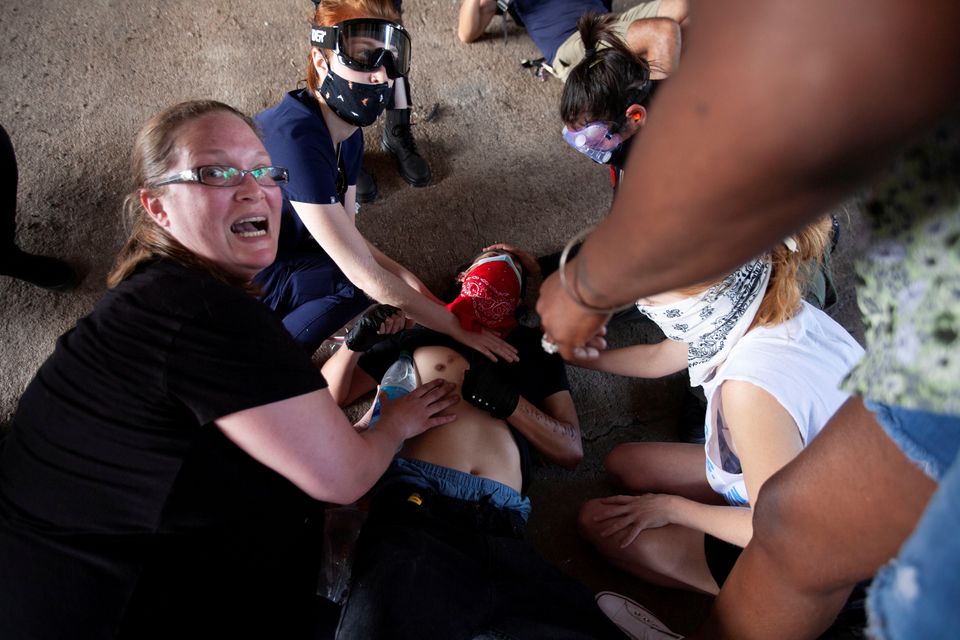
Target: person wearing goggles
x,y
604,105
364,45
605,99
326,272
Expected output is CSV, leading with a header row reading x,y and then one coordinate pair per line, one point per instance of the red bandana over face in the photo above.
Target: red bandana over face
x,y
489,296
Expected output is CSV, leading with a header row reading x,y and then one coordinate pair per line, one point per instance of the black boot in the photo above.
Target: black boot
x,y
42,271
366,187
398,141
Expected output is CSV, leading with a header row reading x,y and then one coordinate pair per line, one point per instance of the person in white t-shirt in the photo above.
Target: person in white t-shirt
x,y
770,366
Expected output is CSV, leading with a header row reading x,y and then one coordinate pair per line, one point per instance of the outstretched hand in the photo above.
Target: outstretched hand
x,y
577,332
420,410
630,515
488,344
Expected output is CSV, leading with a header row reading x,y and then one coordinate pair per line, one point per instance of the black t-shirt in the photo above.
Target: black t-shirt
x,y
114,442
536,376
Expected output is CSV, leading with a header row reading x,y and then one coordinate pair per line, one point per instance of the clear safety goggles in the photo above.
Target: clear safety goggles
x,y
366,44
597,140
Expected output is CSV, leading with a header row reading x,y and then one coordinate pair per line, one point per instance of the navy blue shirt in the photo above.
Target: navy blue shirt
x,y
551,22
296,137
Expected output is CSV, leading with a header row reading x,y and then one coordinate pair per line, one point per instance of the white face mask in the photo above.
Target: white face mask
x,y
712,322
502,257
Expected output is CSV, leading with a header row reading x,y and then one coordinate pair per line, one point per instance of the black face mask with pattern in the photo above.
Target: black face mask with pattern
x,y
356,103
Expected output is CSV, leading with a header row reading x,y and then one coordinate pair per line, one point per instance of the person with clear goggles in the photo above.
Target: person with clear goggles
x,y
326,272
605,99
364,45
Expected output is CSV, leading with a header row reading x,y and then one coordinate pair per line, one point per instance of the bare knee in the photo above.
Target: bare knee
x,y
586,524
623,464
627,466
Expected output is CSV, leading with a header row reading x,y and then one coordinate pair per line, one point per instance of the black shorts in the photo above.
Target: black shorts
x,y
721,556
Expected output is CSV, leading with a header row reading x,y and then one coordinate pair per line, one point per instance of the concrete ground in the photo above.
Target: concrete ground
x,y
78,79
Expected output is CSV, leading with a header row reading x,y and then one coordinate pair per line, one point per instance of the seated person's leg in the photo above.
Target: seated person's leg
x,y
398,138
670,556
667,555
662,467
315,321
827,520
312,295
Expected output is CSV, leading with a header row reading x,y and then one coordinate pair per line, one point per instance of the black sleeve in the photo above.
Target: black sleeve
x,y
538,375
378,358
234,354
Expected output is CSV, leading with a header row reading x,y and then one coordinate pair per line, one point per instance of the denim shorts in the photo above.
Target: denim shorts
x,y
917,594
455,484
930,440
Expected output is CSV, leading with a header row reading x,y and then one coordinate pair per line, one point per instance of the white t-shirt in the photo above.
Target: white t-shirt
x,y
801,363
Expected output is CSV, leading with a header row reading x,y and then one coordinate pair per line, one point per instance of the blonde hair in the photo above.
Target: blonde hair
x,y
150,160
331,12
789,277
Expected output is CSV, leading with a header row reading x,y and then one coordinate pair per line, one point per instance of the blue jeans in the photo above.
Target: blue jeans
x,y
312,296
455,484
917,595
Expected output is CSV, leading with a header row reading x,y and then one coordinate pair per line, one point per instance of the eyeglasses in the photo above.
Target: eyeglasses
x,y
366,44
220,176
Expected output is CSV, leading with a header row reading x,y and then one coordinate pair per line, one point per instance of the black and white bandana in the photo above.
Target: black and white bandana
x,y
712,322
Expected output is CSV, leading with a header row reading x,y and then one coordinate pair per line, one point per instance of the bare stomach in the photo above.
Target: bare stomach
x,y
475,443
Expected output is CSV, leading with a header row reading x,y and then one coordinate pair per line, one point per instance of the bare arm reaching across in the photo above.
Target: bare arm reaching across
x,y
475,15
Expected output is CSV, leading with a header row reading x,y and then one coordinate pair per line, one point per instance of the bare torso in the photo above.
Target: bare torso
x,y
475,443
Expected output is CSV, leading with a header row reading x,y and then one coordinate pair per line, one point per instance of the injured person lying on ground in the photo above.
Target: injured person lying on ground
x,y
442,553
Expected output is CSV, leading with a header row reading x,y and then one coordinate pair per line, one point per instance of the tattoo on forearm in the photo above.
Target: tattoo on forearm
x,y
548,422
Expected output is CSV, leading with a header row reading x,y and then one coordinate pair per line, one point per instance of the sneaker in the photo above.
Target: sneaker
x,y
398,141
42,271
366,187
633,619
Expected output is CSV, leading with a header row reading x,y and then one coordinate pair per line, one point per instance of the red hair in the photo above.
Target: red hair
x,y
331,12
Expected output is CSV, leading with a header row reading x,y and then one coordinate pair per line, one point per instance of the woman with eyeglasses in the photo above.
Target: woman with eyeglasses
x,y
164,470
326,272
